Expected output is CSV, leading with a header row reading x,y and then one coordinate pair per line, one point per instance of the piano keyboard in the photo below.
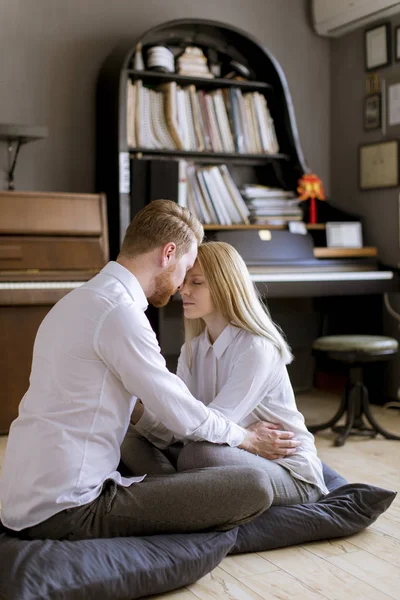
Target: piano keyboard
x,y
257,275
260,277
40,285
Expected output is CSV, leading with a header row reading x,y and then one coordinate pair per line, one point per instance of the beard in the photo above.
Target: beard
x,y
164,288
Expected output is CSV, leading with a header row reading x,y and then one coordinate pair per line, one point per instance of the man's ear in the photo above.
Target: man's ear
x,y
168,253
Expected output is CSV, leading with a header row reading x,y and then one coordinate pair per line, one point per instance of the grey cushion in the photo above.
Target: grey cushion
x,y
111,569
375,344
129,568
344,511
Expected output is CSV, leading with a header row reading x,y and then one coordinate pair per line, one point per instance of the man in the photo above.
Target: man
x,y
94,355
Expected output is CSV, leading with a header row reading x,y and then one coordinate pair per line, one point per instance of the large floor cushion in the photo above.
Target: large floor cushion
x,y
111,569
129,568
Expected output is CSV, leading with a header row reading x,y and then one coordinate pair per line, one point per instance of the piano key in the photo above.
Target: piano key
x,y
40,285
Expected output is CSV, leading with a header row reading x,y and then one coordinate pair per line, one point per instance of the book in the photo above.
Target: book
x,y
184,118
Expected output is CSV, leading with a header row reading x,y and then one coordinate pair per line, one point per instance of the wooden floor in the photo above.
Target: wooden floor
x,y
363,566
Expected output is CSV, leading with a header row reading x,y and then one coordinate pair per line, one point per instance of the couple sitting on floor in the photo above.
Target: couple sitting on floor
x,y
209,448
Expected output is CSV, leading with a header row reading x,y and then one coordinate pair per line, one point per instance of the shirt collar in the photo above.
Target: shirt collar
x,y
128,280
222,341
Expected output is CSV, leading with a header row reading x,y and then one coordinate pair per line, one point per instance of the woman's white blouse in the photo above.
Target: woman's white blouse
x,y
243,376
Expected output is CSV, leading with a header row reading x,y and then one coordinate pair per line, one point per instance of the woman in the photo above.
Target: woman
x,y
234,360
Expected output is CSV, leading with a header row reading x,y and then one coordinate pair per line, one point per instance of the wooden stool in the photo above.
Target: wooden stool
x,y
355,351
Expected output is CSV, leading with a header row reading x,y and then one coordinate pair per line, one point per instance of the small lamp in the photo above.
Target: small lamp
x,y
17,135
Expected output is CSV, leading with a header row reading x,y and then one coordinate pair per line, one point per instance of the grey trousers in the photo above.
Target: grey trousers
x,y
283,488
211,499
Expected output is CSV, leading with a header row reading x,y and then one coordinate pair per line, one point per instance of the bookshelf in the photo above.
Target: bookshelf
x,y
132,175
208,84
121,170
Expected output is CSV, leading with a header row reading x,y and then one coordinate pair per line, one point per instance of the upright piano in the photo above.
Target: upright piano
x,y
50,243
285,264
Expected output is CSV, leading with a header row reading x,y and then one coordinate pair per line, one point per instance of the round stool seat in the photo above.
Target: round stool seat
x,y
368,344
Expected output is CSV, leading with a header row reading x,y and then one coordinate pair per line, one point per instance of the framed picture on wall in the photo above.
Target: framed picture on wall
x,y
379,165
372,112
372,83
393,103
377,43
391,110
397,43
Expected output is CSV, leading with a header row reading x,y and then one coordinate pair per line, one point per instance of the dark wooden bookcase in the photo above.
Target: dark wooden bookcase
x,y
119,167
115,159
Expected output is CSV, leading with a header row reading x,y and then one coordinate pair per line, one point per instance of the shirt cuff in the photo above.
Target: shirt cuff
x,y
238,435
147,422
233,436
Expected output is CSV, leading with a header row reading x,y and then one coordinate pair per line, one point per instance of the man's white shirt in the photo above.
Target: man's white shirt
x,y
95,353
243,376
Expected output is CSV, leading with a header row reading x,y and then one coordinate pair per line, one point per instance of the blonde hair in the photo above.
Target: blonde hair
x,y
158,223
234,296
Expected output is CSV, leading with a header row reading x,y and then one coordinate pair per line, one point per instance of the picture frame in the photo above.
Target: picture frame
x,y
344,234
372,117
397,43
393,102
377,46
378,165
372,83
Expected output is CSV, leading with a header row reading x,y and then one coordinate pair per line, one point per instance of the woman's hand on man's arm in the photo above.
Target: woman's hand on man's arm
x,y
269,441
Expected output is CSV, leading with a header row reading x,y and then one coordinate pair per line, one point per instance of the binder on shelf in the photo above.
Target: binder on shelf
x,y
164,180
209,192
171,114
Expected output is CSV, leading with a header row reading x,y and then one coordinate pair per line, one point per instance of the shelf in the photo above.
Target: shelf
x,y
316,226
214,157
240,227
214,83
332,252
216,227
17,134
11,132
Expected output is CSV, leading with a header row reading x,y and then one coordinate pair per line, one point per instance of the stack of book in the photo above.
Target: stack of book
x,y
211,194
183,118
192,62
271,206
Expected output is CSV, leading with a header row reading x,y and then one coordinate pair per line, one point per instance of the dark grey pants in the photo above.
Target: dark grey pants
x,y
283,488
208,499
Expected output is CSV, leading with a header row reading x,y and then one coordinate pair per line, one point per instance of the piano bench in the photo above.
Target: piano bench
x,y
355,351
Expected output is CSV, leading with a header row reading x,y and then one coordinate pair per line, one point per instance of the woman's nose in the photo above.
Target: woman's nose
x,y
183,290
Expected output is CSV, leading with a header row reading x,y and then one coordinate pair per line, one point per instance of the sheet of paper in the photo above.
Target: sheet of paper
x,y
297,227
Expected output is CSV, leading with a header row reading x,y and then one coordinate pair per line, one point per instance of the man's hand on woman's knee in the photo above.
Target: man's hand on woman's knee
x,y
269,441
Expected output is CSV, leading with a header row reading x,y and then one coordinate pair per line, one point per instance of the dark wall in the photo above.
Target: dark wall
x,y
51,52
379,209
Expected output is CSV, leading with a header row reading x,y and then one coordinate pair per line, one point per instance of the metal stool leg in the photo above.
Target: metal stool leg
x,y
351,413
337,415
359,427
378,428
358,420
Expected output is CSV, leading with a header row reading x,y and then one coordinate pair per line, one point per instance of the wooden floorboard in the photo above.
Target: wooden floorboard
x,y
362,566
